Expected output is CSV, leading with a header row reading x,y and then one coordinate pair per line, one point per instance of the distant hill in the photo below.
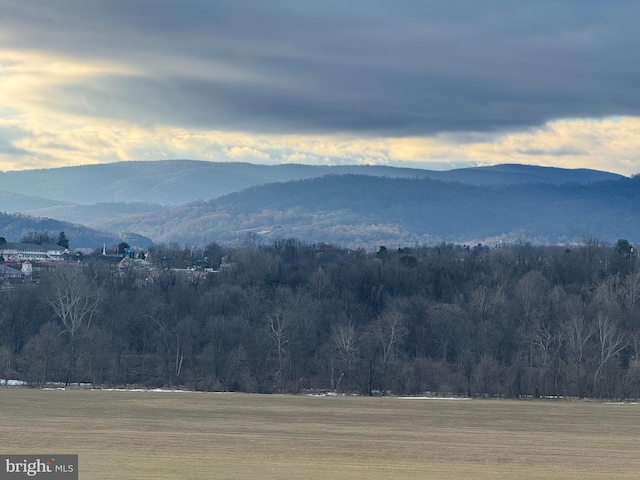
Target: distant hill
x,y
176,182
194,201
14,226
93,214
359,210
18,202
507,174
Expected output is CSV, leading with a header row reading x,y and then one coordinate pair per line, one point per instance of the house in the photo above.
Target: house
x,y
135,264
35,253
9,272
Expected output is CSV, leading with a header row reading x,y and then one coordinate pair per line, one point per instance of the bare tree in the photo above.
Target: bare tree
x,y
277,325
633,339
631,291
545,343
531,292
484,301
445,320
487,375
590,250
576,334
345,348
74,301
544,340
630,301
610,343
319,284
168,340
607,295
389,329
37,237
522,254
72,298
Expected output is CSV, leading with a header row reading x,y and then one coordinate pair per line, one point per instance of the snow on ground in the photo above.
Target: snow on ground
x,y
430,397
154,390
433,398
12,383
90,386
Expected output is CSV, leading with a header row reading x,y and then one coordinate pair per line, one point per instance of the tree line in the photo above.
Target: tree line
x,y
514,320
41,237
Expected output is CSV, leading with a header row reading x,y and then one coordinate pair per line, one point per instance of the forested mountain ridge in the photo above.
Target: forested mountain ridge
x,y
506,174
175,182
355,206
359,210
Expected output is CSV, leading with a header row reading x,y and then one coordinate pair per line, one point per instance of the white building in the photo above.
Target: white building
x,y
36,253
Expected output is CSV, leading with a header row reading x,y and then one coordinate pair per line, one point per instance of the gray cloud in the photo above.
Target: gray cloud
x,y
8,148
557,152
367,67
8,135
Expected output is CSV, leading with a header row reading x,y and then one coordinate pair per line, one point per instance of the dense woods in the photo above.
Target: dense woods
x,y
515,320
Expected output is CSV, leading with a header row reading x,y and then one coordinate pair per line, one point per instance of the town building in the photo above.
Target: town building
x,y
21,252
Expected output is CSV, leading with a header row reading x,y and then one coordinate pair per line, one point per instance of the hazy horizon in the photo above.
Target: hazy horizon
x,y
438,167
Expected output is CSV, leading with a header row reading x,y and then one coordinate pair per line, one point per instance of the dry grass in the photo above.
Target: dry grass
x,y
146,435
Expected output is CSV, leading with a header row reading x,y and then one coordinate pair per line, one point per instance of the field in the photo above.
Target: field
x,y
156,435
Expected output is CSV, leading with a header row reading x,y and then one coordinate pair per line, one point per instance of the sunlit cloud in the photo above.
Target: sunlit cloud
x,y
244,152
85,82
611,144
571,144
36,137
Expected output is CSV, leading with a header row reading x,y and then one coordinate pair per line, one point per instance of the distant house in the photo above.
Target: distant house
x,y
32,252
27,268
9,272
134,263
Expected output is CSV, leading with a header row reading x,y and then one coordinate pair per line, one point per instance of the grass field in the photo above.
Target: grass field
x,y
151,435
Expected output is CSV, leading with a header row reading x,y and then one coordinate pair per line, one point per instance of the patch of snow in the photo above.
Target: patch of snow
x,y
434,398
12,383
164,390
153,390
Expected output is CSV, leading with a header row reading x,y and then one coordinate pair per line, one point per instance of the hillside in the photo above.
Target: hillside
x,y
510,174
14,226
353,205
176,182
13,202
358,210
94,214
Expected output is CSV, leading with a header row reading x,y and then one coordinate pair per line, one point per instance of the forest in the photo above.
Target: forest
x,y
515,320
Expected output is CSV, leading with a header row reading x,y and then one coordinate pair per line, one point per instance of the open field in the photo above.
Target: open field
x,y
151,435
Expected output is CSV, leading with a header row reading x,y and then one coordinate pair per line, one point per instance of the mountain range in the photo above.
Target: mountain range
x,y
357,206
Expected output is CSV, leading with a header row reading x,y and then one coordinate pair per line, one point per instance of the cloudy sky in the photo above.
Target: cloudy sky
x,y
434,84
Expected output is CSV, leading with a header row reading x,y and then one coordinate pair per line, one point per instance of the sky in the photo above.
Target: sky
x,y
421,83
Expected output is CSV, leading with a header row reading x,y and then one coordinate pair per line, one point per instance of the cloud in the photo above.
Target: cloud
x,y
401,68
346,82
245,152
7,148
